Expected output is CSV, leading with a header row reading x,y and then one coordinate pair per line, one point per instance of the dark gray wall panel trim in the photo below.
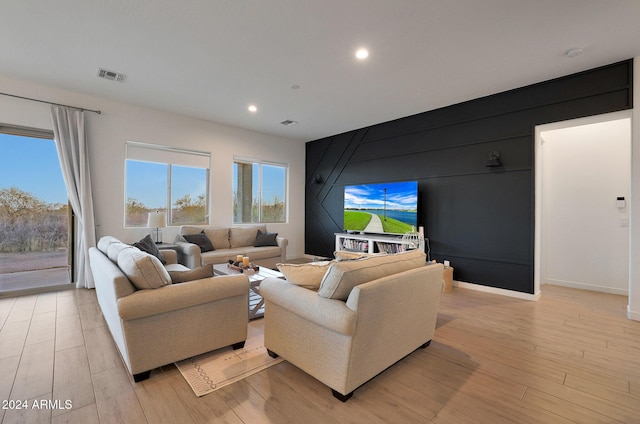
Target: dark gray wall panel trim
x,y
481,219
598,81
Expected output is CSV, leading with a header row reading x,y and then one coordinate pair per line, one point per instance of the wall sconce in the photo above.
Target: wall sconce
x,y
494,159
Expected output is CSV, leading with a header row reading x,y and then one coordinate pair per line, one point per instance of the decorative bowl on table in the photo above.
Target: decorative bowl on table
x,y
239,266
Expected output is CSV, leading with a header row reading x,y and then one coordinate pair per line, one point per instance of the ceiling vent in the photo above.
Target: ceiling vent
x,y
110,75
288,122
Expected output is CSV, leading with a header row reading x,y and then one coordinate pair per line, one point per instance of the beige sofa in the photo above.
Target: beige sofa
x,y
366,315
228,242
157,326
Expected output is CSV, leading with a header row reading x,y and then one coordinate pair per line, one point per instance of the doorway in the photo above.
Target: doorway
x,y
35,217
583,184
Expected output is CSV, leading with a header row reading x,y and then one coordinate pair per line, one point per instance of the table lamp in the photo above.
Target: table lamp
x,y
156,220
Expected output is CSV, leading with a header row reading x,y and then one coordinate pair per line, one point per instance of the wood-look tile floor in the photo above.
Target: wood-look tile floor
x,y
572,357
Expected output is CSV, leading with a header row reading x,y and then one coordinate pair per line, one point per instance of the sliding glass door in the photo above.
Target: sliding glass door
x,y
34,212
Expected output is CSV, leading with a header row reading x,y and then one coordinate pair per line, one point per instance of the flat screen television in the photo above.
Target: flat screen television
x,y
381,208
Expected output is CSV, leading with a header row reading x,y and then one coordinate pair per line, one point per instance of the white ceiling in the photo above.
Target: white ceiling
x,y
210,59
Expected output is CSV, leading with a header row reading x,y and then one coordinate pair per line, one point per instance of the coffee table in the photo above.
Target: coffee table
x,y
256,302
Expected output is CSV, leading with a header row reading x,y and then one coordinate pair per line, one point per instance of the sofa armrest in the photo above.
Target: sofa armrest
x,y
170,256
189,254
329,313
144,303
282,243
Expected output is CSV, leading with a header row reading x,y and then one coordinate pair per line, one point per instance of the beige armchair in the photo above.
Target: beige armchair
x,y
346,343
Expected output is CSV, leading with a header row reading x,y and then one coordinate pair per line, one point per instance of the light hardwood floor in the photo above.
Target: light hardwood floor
x,y
572,357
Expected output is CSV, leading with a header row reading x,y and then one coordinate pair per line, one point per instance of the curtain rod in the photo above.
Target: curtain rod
x,y
51,103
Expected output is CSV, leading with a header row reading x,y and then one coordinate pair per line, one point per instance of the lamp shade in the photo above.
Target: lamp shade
x,y
156,220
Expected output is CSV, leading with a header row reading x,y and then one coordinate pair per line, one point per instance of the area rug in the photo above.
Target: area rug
x,y
210,371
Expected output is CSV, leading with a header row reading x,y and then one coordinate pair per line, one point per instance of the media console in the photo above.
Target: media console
x,y
369,243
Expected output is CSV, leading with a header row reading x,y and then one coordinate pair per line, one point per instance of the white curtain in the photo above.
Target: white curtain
x,y
71,144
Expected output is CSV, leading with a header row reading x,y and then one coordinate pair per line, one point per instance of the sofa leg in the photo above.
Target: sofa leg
x,y
340,396
424,346
272,353
238,345
142,376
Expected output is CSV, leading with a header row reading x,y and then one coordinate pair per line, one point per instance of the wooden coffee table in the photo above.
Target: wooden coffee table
x,y
256,302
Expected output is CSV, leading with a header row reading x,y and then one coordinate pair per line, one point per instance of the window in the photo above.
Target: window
x,y
259,192
166,179
35,217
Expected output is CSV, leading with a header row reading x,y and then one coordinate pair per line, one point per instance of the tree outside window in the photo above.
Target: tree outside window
x,y
166,182
259,192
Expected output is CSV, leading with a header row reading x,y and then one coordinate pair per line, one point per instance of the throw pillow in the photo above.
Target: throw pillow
x,y
205,271
308,275
265,239
104,242
115,248
343,276
148,245
143,270
201,240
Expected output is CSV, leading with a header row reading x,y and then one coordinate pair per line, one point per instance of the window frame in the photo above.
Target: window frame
x,y
170,157
252,161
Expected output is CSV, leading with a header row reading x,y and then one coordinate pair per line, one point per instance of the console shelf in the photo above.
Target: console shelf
x,y
368,243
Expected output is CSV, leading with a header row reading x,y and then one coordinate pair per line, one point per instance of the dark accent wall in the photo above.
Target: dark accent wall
x,y
479,218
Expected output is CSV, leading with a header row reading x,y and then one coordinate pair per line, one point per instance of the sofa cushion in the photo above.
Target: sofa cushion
x,y
218,236
148,245
199,273
104,242
307,275
343,276
115,248
202,240
244,235
261,252
145,271
265,239
219,256
346,255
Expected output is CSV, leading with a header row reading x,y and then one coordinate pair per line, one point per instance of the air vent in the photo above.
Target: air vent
x,y
110,75
288,122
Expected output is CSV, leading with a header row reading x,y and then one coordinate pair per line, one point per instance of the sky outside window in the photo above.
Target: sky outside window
x,y
32,165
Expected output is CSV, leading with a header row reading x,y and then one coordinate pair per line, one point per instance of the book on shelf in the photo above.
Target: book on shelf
x,y
389,248
355,245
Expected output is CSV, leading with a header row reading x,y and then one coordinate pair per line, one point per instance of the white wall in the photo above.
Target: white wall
x,y
585,235
633,309
119,122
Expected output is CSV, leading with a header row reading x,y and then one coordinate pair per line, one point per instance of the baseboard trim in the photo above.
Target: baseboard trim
x,y
582,286
632,314
495,290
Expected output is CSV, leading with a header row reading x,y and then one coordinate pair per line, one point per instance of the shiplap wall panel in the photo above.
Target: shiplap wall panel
x,y
481,219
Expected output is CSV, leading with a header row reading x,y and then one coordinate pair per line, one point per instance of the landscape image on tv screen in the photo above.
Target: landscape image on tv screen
x,y
381,208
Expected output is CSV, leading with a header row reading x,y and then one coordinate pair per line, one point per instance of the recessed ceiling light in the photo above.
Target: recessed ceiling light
x,y
362,54
252,108
288,122
574,52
